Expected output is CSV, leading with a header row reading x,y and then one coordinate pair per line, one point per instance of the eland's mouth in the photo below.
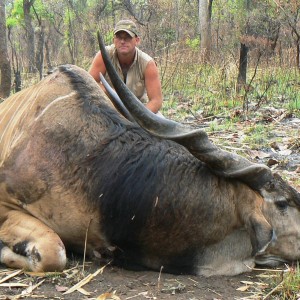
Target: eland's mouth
x,y
269,260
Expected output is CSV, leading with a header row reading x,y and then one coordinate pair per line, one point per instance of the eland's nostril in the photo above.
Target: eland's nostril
x,y
274,237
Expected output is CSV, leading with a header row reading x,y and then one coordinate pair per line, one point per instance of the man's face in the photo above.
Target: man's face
x,y
124,43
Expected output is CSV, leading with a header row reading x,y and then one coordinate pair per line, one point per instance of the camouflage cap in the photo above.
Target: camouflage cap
x,y
127,26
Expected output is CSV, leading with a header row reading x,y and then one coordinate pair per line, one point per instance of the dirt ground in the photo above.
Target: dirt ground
x,y
110,282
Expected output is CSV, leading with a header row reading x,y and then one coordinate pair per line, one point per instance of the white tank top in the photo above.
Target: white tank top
x,y
135,79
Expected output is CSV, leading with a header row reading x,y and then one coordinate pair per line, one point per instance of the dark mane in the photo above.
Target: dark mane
x,y
136,170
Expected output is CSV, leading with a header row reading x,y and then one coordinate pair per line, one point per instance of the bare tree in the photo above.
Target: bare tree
x,y
4,60
15,63
39,58
27,4
205,11
291,16
244,49
243,64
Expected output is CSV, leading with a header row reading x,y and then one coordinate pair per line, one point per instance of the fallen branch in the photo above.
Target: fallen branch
x,y
84,281
11,275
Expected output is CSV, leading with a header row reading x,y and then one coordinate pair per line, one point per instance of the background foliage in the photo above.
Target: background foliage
x,y
43,34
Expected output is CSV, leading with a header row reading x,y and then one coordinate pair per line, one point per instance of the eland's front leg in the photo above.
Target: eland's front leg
x,y
27,243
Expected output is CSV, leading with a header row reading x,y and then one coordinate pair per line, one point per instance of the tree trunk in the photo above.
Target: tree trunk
x,y
40,50
48,59
5,68
177,20
27,4
18,81
70,35
205,11
243,63
15,64
298,54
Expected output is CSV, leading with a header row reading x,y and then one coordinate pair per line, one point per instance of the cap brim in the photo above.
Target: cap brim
x,y
132,34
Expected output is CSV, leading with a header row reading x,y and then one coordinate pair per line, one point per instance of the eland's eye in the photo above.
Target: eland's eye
x,y
281,205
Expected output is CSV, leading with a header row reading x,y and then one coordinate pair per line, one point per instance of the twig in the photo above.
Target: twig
x,y
158,280
245,100
11,276
270,270
213,291
13,284
85,243
85,280
274,290
28,291
196,282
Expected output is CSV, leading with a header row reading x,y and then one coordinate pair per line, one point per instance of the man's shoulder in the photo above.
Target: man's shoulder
x,y
144,55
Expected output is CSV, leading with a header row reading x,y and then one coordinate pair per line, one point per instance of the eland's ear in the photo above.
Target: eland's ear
x,y
277,190
261,233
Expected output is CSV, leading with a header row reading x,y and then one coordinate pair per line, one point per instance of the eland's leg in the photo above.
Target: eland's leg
x,y
27,243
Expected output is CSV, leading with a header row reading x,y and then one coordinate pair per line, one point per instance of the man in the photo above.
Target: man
x,y
137,69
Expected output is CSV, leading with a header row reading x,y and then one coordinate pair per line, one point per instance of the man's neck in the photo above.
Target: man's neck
x,y
126,60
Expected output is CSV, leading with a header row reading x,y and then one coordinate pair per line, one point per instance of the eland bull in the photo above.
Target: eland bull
x,y
76,174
